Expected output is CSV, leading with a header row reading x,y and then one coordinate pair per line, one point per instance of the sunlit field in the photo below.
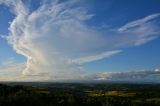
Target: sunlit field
x,y
68,94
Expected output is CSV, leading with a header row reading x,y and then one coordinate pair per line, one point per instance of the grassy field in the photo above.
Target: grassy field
x,y
79,95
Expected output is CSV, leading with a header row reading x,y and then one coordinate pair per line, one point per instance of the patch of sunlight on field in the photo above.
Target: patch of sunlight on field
x,y
153,100
44,91
119,93
111,93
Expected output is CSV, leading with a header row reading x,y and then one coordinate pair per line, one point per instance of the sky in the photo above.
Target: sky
x,y
80,40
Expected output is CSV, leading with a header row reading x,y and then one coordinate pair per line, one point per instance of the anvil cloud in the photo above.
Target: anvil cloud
x,y
56,39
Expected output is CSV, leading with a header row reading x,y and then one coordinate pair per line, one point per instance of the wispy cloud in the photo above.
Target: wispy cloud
x,y
56,39
129,76
88,59
8,62
143,30
11,72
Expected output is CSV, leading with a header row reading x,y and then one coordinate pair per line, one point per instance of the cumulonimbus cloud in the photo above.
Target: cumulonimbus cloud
x,y
56,39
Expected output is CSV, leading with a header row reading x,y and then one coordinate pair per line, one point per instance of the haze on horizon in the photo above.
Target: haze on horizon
x,y
86,40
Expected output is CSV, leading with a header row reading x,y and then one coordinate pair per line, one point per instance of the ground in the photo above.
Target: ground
x,y
78,94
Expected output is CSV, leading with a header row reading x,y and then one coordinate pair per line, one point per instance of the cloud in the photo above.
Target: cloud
x,y
56,39
139,75
8,61
144,30
11,72
139,22
88,59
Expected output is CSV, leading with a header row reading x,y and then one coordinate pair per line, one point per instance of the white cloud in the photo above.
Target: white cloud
x,y
143,30
56,39
139,22
88,59
8,61
139,75
11,72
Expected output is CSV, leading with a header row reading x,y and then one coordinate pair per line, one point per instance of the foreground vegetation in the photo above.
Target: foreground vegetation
x,y
80,95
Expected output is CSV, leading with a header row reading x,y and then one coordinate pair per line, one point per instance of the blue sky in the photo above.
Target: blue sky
x,y
117,13
91,38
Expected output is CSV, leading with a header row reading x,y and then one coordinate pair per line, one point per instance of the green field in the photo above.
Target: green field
x,y
79,94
